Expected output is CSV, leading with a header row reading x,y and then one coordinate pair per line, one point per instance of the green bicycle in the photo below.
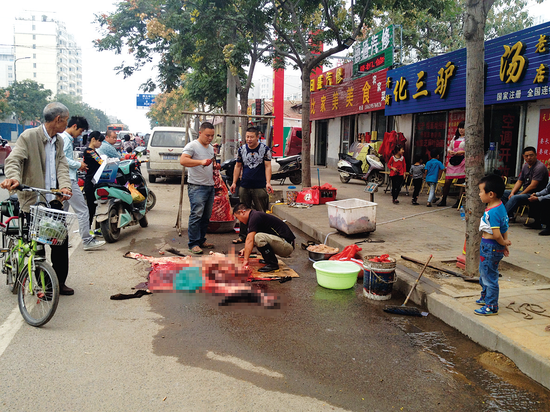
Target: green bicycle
x,y
27,272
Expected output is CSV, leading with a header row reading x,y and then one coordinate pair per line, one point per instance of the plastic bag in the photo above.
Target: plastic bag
x,y
137,197
348,253
308,196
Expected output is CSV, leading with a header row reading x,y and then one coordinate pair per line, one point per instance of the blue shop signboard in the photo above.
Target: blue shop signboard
x,y
517,70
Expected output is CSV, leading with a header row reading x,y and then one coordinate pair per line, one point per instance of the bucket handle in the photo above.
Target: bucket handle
x,y
382,280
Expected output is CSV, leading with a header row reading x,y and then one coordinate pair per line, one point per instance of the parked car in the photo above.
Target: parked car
x,y
5,150
165,147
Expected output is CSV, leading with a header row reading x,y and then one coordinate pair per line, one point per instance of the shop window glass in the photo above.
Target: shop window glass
x,y
429,133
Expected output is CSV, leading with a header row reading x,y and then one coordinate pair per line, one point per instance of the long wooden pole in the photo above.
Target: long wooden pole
x,y
226,114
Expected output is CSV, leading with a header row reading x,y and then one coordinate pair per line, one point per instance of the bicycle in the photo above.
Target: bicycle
x,y
28,274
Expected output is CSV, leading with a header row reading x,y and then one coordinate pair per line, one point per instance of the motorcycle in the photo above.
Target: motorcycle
x,y
351,168
115,205
290,167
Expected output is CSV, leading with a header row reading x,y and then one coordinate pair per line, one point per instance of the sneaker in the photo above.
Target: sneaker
x,y
93,244
414,202
395,201
96,232
481,301
486,311
196,250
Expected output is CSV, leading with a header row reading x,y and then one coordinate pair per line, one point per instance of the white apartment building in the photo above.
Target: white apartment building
x,y
6,66
54,58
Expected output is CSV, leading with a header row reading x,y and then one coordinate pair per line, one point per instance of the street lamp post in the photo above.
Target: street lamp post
x,y
14,89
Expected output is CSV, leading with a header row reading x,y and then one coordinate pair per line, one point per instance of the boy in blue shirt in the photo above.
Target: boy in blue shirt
x,y
433,171
494,243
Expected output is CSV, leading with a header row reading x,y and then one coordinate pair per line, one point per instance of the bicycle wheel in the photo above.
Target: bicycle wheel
x,y
38,294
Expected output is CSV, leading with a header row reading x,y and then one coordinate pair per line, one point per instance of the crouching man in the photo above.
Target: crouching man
x,y
268,233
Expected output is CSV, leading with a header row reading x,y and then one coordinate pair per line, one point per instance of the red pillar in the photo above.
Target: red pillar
x,y
278,110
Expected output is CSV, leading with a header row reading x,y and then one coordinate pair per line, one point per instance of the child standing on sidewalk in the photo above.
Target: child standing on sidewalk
x,y
494,244
417,173
433,171
397,171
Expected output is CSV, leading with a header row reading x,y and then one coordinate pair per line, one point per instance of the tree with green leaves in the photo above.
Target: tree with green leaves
x,y
300,27
439,28
27,100
166,111
96,118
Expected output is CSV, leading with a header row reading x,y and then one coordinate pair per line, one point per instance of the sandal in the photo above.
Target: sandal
x,y
207,245
238,241
196,250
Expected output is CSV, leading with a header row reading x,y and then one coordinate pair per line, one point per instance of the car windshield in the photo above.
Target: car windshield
x,y
168,139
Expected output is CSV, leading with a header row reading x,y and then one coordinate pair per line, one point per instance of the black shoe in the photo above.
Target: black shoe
x,y
511,219
435,200
455,206
414,202
545,232
272,264
262,261
442,204
65,290
534,225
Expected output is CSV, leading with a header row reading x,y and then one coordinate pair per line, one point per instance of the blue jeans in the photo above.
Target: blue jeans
x,y
431,196
201,199
512,204
490,255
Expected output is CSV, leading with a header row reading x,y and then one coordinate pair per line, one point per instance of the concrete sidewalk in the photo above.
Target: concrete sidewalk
x,y
418,231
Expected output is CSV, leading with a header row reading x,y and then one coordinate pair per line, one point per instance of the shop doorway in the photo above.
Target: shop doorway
x,y
321,143
348,133
501,141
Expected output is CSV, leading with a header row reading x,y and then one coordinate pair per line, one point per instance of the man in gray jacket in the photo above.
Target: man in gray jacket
x,y
38,160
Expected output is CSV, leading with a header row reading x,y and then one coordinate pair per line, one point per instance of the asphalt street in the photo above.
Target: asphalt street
x,y
323,350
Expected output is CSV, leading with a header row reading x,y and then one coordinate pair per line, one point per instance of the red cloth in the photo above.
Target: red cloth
x,y
391,139
399,164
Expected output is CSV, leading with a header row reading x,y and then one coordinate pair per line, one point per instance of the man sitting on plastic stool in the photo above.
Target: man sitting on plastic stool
x,y
268,233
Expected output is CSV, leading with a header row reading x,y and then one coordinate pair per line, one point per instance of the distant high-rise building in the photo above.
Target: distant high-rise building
x,y
6,66
55,59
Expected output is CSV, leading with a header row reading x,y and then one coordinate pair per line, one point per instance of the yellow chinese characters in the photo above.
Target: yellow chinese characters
x,y
420,83
329,79
542,74
443,77
335,101
320,82
400,91
312,106
541,45
339,75
512,63
366,92
323,100
312,85
349,97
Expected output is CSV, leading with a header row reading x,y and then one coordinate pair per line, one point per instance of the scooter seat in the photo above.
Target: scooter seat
x,y
350,159
114,185
286,160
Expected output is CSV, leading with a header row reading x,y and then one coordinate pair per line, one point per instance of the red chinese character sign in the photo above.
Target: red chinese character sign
x,y
543,147
335,93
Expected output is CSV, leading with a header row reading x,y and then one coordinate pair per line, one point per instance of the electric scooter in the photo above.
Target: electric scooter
x,y
351,168
290,167
115,205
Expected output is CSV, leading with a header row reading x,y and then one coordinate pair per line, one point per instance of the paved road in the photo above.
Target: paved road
x,y
324,350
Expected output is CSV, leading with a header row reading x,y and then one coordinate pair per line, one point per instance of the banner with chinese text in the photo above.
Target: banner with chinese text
x,y
517,70
349,96
543,147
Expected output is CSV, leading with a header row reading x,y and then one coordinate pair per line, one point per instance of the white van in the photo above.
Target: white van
x,y
165,147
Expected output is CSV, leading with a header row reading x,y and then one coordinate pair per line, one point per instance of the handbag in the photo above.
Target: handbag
x,y
456,160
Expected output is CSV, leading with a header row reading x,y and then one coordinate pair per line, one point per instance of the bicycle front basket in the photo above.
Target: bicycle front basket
x,y
50,226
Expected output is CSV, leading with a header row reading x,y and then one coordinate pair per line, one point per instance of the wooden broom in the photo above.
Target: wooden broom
x,y
403,309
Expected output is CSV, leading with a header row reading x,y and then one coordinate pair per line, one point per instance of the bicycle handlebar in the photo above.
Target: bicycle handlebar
x,y
25,188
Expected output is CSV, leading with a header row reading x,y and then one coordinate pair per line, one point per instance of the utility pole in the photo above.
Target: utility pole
x,y
230,125
14,89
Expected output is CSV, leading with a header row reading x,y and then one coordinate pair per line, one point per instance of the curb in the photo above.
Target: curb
x,y
444,307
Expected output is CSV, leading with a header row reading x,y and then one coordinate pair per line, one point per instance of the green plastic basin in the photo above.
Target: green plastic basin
x,y
332,274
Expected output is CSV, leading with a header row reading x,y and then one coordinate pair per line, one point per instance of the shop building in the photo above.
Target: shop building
x,y
426,101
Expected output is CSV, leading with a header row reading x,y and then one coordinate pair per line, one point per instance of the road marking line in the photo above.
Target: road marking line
x,y
9,328
243,364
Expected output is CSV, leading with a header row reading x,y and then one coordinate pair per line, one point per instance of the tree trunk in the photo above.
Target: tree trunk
x,y
474,27
306,138
244,108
